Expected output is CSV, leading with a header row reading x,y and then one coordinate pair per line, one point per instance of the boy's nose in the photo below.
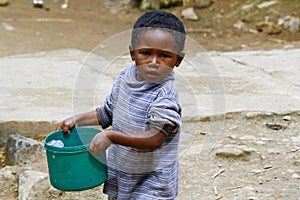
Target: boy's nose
x,y
154,60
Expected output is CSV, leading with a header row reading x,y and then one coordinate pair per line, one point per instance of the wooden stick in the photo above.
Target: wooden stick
x,y
218,173
215,190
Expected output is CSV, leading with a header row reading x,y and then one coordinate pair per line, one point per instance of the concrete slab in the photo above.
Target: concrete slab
x,y
49,86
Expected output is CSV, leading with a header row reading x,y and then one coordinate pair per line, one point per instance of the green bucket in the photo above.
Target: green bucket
x,y
72,167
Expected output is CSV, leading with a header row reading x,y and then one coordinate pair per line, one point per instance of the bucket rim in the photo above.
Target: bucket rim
x,y
73,149
69,149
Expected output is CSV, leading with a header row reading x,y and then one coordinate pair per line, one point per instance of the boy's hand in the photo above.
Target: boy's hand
x,y
100,143
66,125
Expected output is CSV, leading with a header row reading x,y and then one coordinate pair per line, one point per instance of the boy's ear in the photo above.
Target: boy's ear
x,y
131,53
180,57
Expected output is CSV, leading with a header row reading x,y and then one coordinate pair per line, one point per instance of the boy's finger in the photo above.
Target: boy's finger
x,y
58,127
91,147
66,129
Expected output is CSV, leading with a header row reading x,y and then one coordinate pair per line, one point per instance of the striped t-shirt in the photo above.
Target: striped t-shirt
x,y
136,106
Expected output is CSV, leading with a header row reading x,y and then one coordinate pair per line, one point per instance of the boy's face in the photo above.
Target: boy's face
x,y
155,55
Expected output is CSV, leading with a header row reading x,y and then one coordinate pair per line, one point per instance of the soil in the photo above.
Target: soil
x,y
85,24
271,167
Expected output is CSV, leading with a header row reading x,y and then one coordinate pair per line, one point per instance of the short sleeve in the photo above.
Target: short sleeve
x,y
105,113
165,115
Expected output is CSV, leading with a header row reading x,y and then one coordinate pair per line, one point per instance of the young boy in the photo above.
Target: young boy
x,y
144,112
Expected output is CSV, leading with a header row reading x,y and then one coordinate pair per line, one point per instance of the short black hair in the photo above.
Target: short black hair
x,y
159,19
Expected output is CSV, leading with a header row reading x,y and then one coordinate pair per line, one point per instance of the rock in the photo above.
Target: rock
x,y
233,137
8,182
249,190
201,4
255,114
287,118
21,150
248,137
275,126
247,6
266,4
268,27
256,171
239,25
294,24
155,4
259,142
65,5
295,176
7,26
145,5
28,180
54,192
273,151
23,183
4,2
264,190
6,174
296,163
247,150
230,151
290,23
189,14
251,30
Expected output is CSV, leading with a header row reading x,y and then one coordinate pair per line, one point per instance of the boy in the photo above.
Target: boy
x,y
144,112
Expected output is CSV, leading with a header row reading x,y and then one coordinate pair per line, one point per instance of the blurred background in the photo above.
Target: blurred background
x,y
218,25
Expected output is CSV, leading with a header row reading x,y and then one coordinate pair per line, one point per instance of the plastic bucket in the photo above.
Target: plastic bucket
x,y
72,167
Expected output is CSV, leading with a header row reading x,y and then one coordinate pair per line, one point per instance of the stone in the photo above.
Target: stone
x,y
296,163
275,126
54,192
239,25
287,118
21,150
290,23
247,6
246,149
229,151
266,4
27,180
8,182
201,4
6,173
268,27
248,137
189,14
294,24
264,190
7,26
273,151
256,171
255,114
156,4
295,176
4,2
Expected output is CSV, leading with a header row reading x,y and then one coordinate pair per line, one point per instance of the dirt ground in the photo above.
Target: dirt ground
x,y
269,169
85,24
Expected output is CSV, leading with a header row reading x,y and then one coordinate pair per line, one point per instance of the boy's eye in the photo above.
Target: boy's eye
x,y
145,53
165,55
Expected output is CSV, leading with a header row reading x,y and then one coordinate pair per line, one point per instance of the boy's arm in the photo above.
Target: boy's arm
x,y
84,119
151,139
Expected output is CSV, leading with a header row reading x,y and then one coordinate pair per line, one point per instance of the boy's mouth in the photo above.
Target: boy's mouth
x,y
152,75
